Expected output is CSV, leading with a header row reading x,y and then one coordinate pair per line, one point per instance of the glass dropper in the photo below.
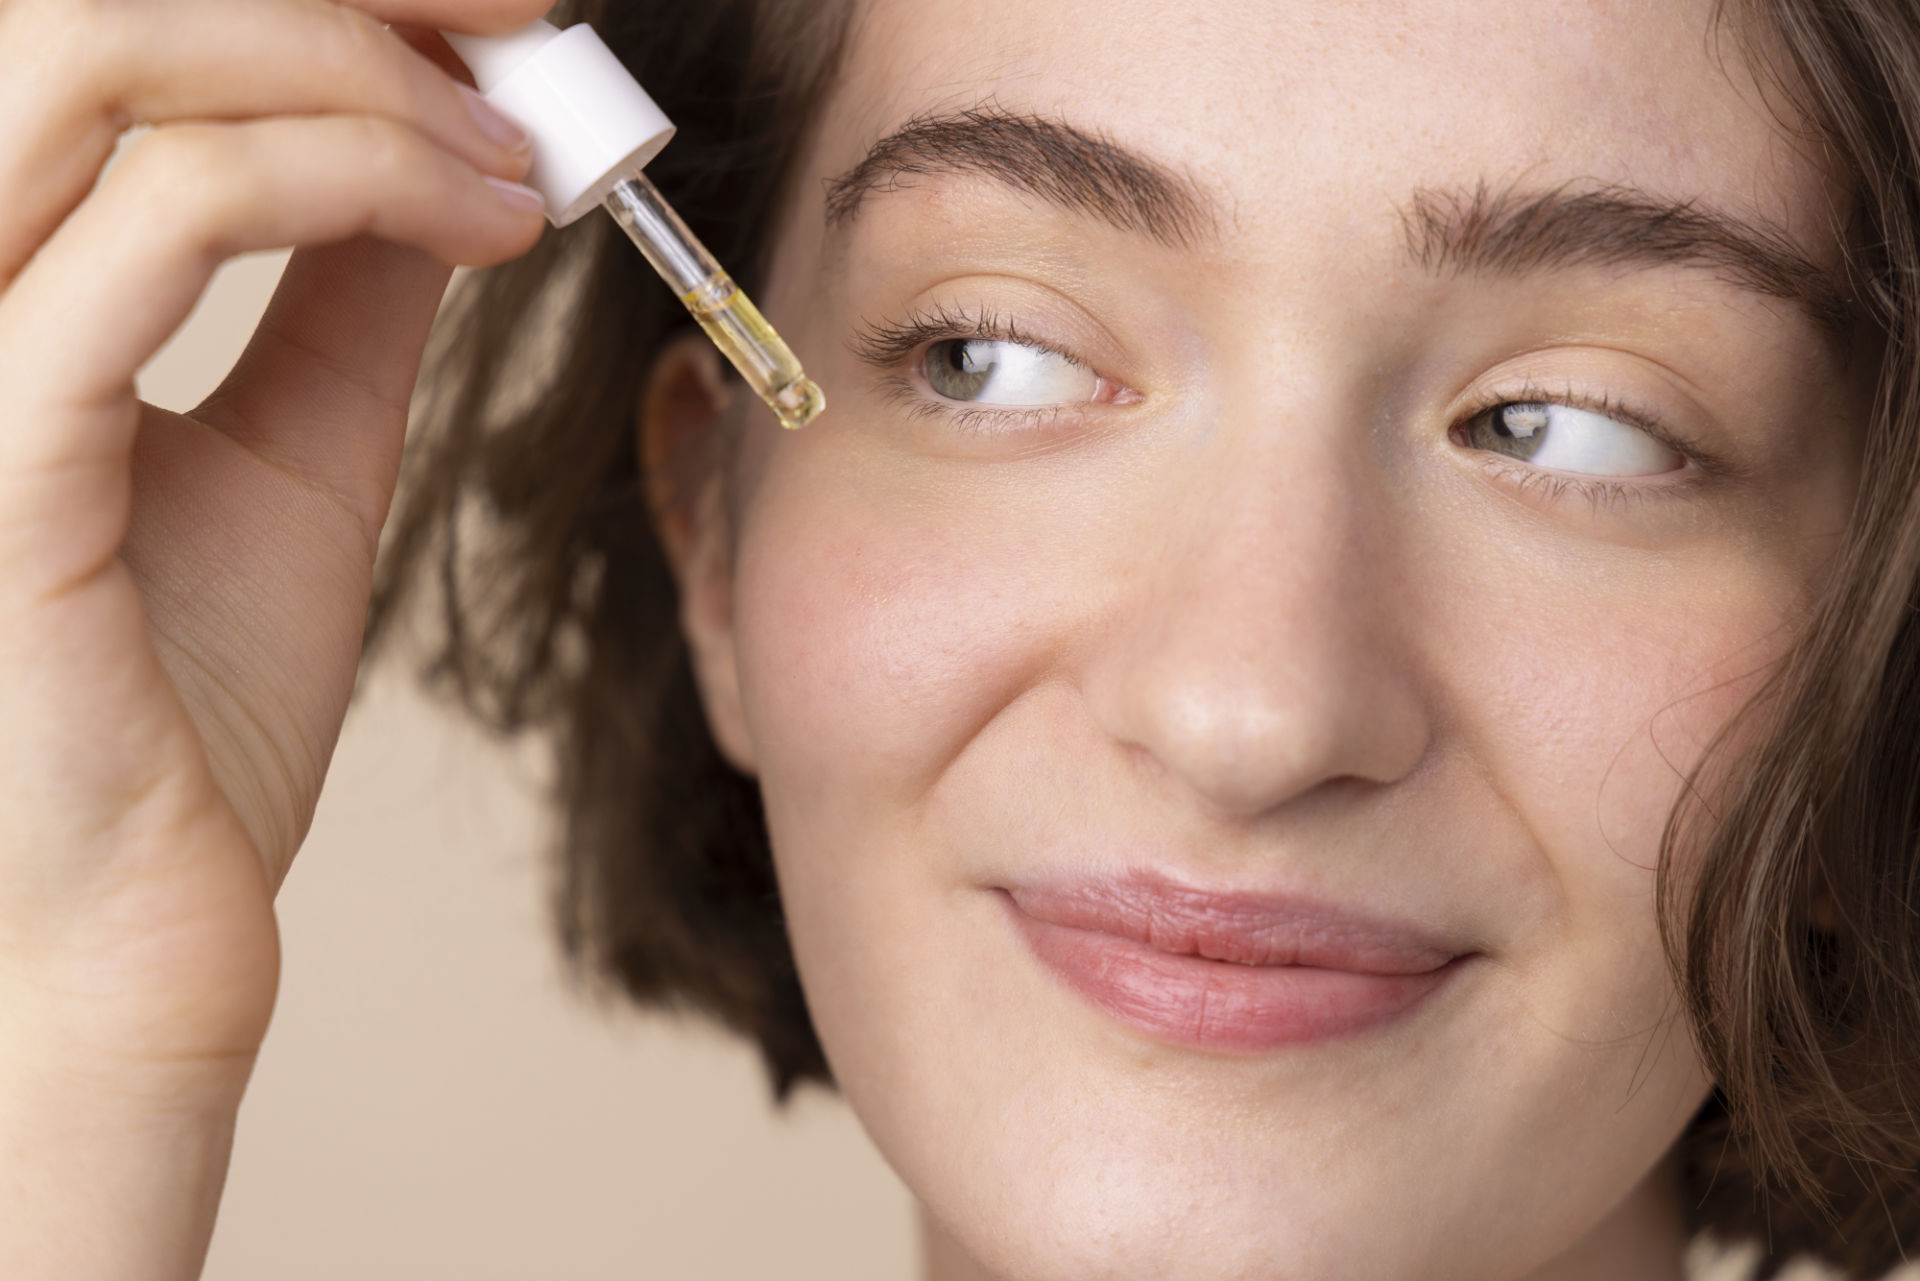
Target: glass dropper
x,y
728,315
593,128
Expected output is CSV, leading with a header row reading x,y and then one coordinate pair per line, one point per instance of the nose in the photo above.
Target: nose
x,y
1257,652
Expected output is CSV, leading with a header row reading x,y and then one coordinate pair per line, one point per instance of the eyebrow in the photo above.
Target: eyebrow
x,y
1475,231
1517,233
1072,168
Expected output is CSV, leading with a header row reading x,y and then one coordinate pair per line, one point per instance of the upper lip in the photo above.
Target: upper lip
x,y
1250,928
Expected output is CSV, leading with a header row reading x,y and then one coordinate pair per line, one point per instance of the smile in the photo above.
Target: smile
x,y
1233,972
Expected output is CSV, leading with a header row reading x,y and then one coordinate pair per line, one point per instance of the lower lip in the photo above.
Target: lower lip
x,y
1219,1005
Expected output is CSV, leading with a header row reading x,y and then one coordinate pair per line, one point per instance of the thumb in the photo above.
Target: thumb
x,y
323,387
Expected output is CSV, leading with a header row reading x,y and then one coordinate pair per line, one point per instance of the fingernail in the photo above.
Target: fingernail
x,y
515,196
497,127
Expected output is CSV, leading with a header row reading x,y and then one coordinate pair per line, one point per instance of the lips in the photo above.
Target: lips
x,y
1234,971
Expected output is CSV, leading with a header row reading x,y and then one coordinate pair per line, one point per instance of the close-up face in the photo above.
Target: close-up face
x,y
1301,486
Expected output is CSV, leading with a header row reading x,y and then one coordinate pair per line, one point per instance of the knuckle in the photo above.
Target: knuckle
x,y
185,169
387,150
349,36
356,51
81,53
173,161
63,38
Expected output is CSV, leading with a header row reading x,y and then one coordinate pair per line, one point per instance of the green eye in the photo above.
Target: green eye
x,y
1565,438
994,371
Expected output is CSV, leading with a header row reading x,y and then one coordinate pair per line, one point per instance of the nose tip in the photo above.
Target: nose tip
x,y
1256,658
1249,736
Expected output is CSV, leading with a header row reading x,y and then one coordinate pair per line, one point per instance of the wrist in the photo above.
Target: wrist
x,y
112,1175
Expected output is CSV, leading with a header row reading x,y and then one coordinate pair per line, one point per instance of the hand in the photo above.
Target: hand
x,y
182,596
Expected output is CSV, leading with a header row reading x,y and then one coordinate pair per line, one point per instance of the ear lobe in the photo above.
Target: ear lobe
x,y
681,436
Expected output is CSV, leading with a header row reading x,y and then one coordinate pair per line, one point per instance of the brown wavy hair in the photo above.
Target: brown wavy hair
x,y
523,520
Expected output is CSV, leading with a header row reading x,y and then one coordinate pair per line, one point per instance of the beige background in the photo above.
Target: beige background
x,y
432,1101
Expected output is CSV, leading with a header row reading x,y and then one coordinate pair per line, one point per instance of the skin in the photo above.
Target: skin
x,y
1265,621
182,595
1270,623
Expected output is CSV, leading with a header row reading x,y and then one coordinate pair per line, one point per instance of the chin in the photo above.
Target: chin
x,y
1100,1185
1121,1226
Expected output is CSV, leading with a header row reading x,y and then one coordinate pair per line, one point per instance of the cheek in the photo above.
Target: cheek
x,y
1586,701
879,633
1600,703
863,650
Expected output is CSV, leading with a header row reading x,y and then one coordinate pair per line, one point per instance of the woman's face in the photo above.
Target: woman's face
x,y
1285,463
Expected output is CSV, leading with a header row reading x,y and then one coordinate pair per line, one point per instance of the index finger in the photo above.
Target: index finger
x,y
73,77
431,45
474,17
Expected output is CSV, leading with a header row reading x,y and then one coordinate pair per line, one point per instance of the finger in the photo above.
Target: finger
x,y
433,46
74,75
323,388
107,289
476,17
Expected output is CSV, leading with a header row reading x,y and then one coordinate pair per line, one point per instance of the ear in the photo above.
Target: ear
x,y
682,432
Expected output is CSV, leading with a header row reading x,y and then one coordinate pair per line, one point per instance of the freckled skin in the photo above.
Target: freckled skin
x,y
1271,625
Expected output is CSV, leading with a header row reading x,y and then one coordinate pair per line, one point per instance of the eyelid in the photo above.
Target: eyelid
x,y
884,344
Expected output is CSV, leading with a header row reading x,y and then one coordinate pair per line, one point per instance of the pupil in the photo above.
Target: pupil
x,y
954,371
1516,430
1520,422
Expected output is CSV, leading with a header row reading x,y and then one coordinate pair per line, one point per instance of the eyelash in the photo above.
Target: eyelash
x,y
1597,491
886,344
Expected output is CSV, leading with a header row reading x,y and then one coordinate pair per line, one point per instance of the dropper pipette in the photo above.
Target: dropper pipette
x,y
593,129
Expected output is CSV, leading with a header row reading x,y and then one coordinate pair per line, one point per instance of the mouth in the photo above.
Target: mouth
x,y
1236,971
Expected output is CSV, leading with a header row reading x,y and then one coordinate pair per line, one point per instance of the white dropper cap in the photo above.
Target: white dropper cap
x,y
592,124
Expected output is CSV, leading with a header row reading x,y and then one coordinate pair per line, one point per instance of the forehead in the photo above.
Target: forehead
x,y
1293,108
